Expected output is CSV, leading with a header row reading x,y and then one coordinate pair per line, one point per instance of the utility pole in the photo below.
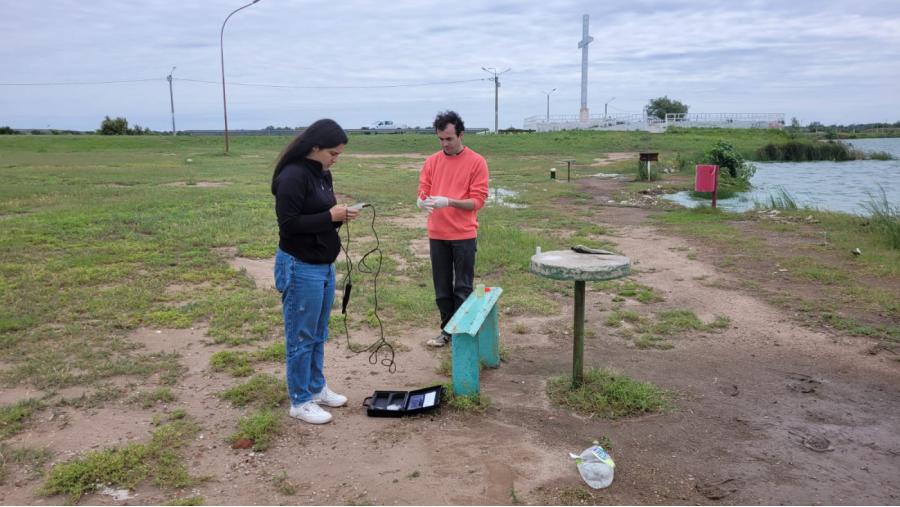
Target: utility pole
x,y
172,99
584,114
604,107
496,80
548,103
222,57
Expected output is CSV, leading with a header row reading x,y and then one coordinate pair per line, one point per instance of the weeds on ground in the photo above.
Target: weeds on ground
x,y
175,415
101,396
262,390
190,500
885,219
652,333
29,460
13,417
126,467
607,394
234,362
260,427
781,200
151,398
283,485
470,403
574,496
630,289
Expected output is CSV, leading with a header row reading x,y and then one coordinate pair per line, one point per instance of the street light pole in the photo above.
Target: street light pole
x,y
172,99
496,80
222,57
548,103
606,104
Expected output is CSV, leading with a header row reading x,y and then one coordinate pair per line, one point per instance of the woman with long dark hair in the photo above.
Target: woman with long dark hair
x,y
308,222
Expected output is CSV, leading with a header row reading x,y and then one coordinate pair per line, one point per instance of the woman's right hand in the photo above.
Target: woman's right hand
x,y
341,213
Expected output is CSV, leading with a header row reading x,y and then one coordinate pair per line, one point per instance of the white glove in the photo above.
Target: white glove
x,y
423,205
437,202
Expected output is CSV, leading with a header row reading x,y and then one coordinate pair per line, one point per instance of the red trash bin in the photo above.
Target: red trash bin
x,y
706,178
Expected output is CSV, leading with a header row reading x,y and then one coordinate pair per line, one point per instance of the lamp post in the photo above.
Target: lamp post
x,y
496,80
606,104
222,56
548,103
172,99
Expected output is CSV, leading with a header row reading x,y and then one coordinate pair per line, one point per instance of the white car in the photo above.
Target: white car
x,y
386,125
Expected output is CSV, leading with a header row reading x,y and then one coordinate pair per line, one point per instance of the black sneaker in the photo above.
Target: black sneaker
x,y
439,340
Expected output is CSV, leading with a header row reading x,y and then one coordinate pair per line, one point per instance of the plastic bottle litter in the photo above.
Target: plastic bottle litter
x,y
595,466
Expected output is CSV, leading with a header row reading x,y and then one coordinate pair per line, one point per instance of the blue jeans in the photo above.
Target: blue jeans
x,y
307,293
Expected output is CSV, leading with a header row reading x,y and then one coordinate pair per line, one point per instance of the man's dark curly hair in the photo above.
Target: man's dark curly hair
x,y
443,119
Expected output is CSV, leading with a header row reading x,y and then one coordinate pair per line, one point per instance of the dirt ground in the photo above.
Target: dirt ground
x,y
768,411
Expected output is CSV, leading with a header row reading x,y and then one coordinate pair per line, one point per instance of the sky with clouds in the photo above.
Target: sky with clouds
x,y
290,62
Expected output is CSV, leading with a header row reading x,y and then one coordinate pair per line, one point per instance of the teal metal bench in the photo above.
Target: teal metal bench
x,y
476,339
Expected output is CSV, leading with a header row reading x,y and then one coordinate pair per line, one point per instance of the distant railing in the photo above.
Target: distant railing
x,y
725,120
629,121
638,121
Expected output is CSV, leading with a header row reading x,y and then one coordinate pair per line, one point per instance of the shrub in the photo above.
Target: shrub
x,y
885,219
800,151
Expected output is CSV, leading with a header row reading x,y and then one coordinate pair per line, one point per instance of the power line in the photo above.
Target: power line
x,y
259,85
342,87
79,83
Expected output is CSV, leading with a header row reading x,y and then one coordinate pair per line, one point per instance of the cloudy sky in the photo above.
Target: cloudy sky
x,y
289,62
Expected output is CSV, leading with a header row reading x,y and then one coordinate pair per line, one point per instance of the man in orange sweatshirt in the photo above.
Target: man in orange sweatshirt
x,y
453,185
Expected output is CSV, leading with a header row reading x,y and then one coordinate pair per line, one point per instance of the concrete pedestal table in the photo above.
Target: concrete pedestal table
x,y
581,267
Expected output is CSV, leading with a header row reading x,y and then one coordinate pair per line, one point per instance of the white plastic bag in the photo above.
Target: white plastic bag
x,y
595,465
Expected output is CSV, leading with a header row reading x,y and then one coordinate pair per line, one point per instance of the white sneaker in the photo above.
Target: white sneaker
x,y
311,413
329,397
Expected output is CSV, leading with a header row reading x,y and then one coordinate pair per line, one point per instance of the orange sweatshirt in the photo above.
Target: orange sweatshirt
x,y
462,176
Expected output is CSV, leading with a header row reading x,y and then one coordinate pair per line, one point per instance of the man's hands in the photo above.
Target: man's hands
x,y
437,201
432,203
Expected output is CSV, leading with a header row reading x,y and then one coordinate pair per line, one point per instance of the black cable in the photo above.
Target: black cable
x,y
376,347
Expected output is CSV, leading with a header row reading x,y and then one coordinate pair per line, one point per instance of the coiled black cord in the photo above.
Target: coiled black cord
x,y
377,347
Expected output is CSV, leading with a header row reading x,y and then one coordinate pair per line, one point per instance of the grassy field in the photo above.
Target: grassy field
x,y
97,228
105,235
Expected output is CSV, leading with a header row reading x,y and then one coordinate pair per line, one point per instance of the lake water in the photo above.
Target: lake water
x,y
832,186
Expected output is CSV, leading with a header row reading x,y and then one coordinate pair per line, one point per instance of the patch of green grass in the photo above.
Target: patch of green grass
x,y
13,417
238,363
127,466
151,398
630,289
260,427
272,353
27,459
813,270
234,362
607,394
574,496
885,219
470,403
617,317
262,390
190,500
175,415
101,396
651,341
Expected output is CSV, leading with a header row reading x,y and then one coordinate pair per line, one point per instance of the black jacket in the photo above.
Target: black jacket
x,y
303,196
